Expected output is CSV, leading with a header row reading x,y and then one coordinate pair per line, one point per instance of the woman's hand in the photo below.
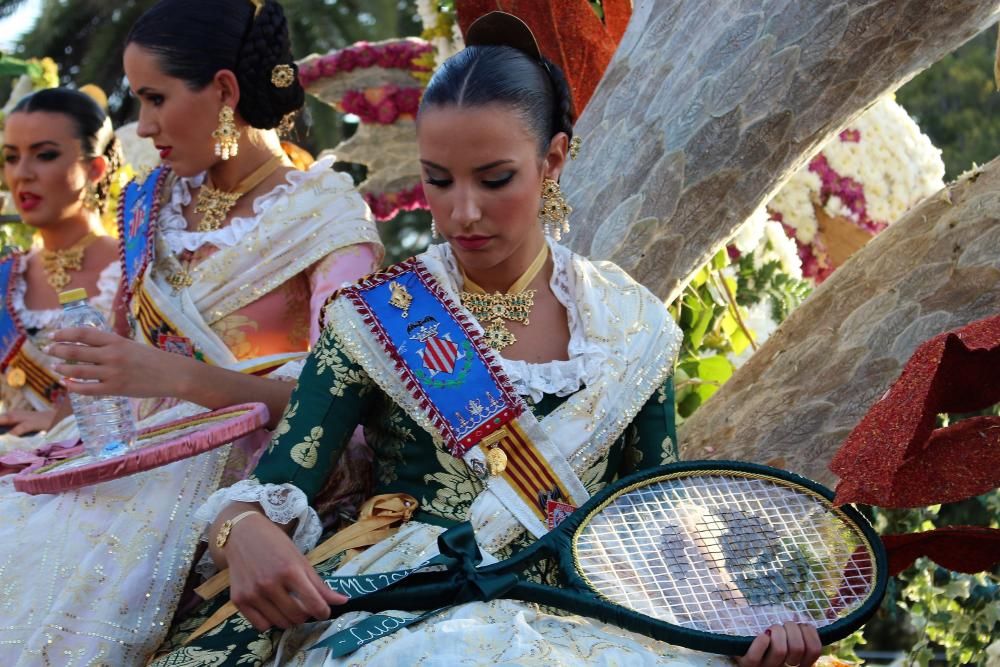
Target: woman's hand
x,y
788,645
122,367
271,583
27,421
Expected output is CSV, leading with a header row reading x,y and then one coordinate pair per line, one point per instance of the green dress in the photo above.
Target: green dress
x,y
333,396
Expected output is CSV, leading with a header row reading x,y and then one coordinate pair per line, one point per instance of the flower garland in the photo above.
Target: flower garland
x,y
386,206
401,54
383,105
868,176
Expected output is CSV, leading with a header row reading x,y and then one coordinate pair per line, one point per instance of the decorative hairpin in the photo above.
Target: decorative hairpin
x,y
258,5
282,76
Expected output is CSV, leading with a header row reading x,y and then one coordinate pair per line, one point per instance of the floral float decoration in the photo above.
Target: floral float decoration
x,y
441,29
857,185
381,85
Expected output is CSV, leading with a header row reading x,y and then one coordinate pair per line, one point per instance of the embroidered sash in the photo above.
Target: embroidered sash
x,y
459,387
12,334
137,216
21,363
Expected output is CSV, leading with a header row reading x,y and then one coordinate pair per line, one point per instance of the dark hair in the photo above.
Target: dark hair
x,y
194,39
481,75
93,128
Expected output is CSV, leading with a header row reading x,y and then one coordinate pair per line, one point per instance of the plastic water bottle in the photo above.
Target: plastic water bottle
x,y
106,424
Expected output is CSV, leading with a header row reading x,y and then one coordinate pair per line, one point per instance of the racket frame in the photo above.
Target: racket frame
x,y
432,590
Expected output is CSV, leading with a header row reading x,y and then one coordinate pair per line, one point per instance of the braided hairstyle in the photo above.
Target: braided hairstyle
x,y
93,129
194,39
481,75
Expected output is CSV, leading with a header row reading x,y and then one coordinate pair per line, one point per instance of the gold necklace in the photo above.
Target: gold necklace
x,y
215,204
515,305
58,263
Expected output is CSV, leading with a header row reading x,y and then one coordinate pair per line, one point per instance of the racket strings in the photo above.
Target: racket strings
x,y
725,554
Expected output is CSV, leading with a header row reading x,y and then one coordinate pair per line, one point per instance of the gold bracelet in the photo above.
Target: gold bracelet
x,y
227,527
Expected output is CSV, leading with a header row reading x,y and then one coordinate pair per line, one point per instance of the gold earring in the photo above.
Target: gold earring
x,y
227,135
287,124
555,211
574,148
91,200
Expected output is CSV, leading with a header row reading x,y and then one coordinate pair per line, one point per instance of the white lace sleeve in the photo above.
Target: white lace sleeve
x,y
289,372
107,287
282,503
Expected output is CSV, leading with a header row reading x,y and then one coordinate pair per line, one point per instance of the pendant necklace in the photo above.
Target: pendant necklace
x,y
493,309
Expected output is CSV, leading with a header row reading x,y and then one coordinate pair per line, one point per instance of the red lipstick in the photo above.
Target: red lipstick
x,y
474,242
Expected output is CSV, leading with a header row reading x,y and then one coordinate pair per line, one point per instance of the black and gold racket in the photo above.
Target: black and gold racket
x,y
702,554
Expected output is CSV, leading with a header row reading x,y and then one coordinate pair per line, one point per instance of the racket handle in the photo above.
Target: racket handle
x,y
419,592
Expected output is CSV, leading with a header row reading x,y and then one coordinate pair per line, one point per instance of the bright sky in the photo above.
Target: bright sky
x,y
17,24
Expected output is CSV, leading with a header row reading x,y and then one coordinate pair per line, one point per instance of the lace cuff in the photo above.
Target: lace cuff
x,y
281,503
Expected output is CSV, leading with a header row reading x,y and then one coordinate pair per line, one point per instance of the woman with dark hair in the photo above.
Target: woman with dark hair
x,y
501,379
228,253
59,156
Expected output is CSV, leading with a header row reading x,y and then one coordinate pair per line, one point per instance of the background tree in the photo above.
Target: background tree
x,y
957,104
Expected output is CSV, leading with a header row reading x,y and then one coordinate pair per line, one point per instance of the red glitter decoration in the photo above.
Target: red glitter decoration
x,y
895,457
968,549
569,33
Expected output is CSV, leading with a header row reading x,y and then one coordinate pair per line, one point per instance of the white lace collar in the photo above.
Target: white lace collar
x,y
173,226
107,285
558,377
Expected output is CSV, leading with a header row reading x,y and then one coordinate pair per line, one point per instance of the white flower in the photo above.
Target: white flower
x,y
751,232
784,249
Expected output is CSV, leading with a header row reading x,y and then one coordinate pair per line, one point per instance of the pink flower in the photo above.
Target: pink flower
x,y
408,100
850,135
386,112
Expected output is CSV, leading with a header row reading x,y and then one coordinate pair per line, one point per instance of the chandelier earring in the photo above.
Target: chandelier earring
x,y
555,211
91,199
227,135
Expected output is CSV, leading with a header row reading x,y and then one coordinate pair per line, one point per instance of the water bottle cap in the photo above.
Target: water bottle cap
x,y
78,294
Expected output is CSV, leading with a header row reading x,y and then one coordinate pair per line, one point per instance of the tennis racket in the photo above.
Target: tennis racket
x,y
703,554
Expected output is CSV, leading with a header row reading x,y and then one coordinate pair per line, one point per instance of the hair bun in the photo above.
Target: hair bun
x,y
503,29
265,46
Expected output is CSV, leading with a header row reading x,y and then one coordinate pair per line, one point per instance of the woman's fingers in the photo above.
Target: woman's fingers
x,y
85,335
272,614
813,646
257,619
81,371
88,388
328,595
755,654
86,354
795,643
778,650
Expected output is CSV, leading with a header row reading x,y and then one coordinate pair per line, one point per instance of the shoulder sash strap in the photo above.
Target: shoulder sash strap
x,y
137,216
456,386
12,333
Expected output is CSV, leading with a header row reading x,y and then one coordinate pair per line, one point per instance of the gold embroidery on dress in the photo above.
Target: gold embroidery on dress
x,y
306,453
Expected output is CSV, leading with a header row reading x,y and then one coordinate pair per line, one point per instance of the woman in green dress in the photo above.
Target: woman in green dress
x,y
583,351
